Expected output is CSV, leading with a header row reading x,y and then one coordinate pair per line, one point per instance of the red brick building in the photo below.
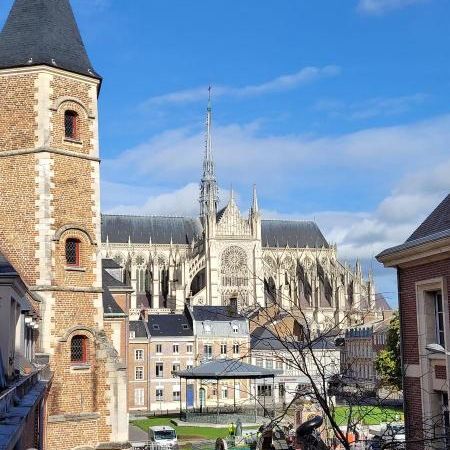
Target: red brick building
x,y
423,270
50,222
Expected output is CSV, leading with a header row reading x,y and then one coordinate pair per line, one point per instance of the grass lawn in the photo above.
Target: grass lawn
x,y
183,433
368,415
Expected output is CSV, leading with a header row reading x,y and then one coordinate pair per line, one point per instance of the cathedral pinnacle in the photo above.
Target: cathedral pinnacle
x,y
208,187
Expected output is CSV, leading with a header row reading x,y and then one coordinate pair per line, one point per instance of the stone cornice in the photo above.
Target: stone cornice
x,y
420,254
44,149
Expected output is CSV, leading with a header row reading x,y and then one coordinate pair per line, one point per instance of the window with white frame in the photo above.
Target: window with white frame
x,y
224,392
236,349
159,394
223,349
175,349
132,334
159,348
139,373
189,348
207,351
259,362
269,363
279,364
189,366
176,395
440,320
175,368
139,397
139,355
235,329
159,370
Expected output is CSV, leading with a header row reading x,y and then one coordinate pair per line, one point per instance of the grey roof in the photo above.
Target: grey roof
x,y
112,282
169,325
437,221
215,313
140,229
359,332
434,228
227,368
43,32
138,326
295,234
108,263
110,306
6,267
381,302
161,229
264,339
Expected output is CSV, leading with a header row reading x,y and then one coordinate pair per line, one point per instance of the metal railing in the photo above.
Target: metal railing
x,y
13,394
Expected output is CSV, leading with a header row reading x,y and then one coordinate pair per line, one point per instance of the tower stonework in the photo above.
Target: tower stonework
x,y
50,217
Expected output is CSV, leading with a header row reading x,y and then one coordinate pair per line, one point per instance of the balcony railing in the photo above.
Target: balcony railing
x,y
17,402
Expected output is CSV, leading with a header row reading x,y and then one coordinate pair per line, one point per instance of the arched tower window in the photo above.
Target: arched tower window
x,y
72,252
71,125
78,349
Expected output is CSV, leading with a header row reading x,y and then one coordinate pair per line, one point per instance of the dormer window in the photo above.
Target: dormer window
x,y
73,252
71,125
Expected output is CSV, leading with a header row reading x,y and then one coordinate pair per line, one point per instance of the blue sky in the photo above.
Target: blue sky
x,y
337,110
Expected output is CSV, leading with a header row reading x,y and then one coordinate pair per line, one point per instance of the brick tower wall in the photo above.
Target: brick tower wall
x,y
50,192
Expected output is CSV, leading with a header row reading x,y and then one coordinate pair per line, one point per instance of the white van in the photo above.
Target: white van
x,y
164,436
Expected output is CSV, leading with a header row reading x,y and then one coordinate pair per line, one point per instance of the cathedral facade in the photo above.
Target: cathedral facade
x,y
224,257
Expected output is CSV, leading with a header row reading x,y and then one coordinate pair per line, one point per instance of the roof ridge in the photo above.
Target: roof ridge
x,y
150,215
290,220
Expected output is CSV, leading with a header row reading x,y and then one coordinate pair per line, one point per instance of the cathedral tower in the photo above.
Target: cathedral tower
x,y
50,216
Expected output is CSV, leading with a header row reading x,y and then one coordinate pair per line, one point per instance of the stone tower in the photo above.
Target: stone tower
x,y
50,217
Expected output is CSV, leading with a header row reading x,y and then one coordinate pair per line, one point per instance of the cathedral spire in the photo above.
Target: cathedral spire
x,y
208,187
255,207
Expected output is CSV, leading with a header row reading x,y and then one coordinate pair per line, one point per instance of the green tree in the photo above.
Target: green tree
x,y
388,362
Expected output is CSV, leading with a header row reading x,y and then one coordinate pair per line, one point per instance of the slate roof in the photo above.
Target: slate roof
x,y
138,327
227,368
279,233
108,263
215,313
112,282
6,267
110,305
435,227
437,221
381,302
42,31
169,325
263,339
161,229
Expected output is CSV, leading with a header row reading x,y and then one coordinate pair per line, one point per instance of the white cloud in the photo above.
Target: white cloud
x,y
281,83
175,155
377,7
374,107
405,166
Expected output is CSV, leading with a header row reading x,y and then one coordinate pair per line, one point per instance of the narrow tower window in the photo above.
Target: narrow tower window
x,y
78,349
73,252
71,125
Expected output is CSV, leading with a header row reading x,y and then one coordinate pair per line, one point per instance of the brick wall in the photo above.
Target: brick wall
x,y
408,277
41,194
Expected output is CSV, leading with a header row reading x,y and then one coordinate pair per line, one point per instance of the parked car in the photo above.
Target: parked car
x,y
163,436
